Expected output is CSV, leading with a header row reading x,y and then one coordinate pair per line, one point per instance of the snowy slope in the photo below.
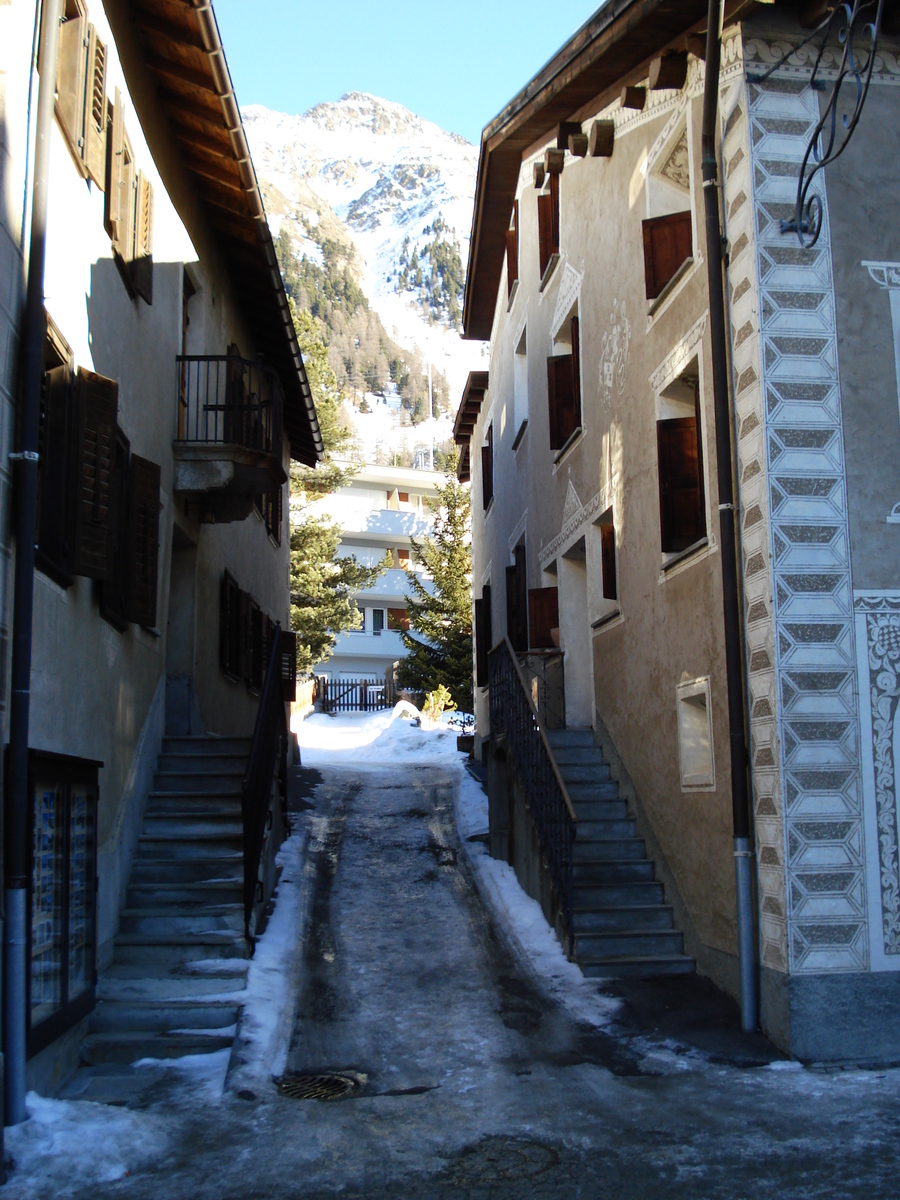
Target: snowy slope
x,y
376,173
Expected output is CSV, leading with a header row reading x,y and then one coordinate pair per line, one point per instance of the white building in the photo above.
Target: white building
x,y
380,511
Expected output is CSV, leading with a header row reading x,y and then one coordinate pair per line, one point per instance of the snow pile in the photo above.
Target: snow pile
x,y
66,1145
349,739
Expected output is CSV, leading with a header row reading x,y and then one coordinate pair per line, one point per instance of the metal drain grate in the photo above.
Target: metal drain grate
x,y
319,1085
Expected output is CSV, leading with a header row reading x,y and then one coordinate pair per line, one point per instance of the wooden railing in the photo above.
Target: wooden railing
x,y
266,763
515,718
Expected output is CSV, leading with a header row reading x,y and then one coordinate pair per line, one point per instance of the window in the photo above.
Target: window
x,y
398,619
668,245
543,614
682,501
548,227
512,253
377,621
520,388
695,736
482,636
403,497
245,635
564,392
403,559
271,508
62,932
487,468
608,556
517,601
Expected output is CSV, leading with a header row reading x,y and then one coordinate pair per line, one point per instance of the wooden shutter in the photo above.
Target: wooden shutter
x,y
142,265
512,250
487,468
398,618
667,243
70,81
608,561
482,637
144,535
545,230
115,157
244,665
94,119
576,374
681,498
288,648
114,591
517,602
543,613
561,398
94,440
256,647
554,213
53,499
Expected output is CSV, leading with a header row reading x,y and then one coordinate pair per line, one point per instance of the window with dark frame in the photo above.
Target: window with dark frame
x,y
62,931
564,392
668,244
682,498
512,251
517,601
608,556
482,636
543,617
377,621
487,468
548,223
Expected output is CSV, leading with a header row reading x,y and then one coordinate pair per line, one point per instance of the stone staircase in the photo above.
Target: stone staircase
x,y
180,959
621,924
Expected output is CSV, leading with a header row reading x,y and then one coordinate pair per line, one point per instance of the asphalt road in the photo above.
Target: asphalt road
x,y
467,1079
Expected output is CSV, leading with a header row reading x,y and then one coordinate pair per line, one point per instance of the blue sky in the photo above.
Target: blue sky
x,y
456,63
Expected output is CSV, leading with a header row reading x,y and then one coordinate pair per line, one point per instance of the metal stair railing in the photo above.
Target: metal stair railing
x,y
515,717
268,758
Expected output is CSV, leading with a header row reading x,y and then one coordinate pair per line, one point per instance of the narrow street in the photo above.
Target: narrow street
x,y
466,1075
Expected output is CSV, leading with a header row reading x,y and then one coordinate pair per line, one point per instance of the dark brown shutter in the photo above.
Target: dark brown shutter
x,y
244,665
517,602
487,468
94,440
224,620
256,646
144,535
114,204
667,243
561,397
70,80
54,498
94,122
543,612
114,591
681,500
554,213
288,647
512,250
576,374
142,266
482,637
608,560
545,229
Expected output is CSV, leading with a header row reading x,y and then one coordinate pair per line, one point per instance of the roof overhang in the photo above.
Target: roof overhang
x,y
184,53
466,419
613,48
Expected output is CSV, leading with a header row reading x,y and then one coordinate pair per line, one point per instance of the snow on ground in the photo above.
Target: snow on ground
x,y
382,737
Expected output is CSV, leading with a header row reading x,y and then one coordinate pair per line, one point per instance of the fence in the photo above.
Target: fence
x,y
356,695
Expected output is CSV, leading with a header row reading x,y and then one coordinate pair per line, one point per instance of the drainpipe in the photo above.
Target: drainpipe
x,y
740,792
25,490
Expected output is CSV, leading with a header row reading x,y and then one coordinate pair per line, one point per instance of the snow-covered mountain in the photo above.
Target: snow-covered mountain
x,y
369,171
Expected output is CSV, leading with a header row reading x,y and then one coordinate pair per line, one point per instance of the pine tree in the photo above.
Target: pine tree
x,y
439,640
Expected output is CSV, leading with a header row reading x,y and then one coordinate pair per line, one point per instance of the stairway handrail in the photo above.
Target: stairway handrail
x,y
540,727
551,805
268,751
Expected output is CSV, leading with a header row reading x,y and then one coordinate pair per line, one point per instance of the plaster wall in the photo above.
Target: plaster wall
x,y
669,624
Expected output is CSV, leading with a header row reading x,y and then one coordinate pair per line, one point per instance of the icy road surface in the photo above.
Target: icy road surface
x,y
486,1065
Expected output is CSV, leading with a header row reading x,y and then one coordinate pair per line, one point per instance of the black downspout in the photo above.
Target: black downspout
x,y
740,792
25,491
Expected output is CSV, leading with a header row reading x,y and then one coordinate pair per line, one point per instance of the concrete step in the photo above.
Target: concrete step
x,y
571,737
608,850
612,895
200,846
601,810
654,964
192,895
629,943
191,827
219,783
181,919
606,830
127,1048
116,984
167,949
163,1016
608,790
612,873
579,756
206,745
148,871
584,773
176,805
614,919
190,764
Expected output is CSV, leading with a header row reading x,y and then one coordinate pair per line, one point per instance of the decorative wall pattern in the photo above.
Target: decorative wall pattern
x,y
800,452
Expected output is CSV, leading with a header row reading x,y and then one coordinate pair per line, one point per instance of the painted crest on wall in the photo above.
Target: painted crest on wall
x,y
615,351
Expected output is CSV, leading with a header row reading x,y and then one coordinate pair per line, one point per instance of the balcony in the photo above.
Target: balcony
x,y
228,446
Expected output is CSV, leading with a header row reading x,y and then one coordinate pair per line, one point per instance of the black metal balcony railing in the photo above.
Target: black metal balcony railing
x,y
223,399
515,717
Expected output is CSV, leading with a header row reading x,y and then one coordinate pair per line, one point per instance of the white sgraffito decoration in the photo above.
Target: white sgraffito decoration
x,y
615,349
